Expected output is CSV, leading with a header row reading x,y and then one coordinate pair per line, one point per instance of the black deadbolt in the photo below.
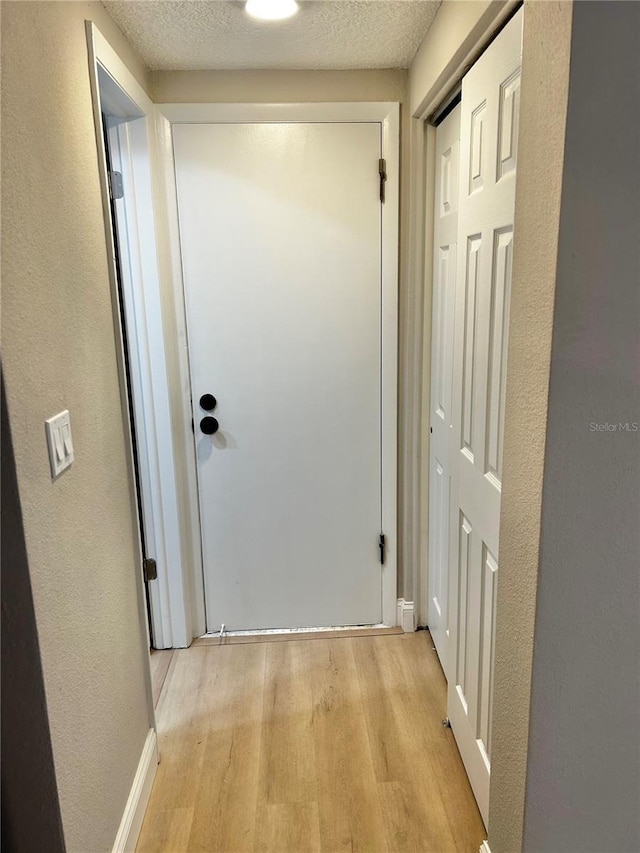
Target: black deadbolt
x,y
208,402
209,425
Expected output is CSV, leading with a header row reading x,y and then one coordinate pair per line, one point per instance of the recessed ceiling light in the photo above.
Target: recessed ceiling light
x,y
271,10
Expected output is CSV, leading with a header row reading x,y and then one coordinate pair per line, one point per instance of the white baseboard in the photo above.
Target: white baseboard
x,y
484,847
406,616
134,811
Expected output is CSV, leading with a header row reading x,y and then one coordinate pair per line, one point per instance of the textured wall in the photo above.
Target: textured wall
x,y
203,87
545,73
59,352
583,780
311,87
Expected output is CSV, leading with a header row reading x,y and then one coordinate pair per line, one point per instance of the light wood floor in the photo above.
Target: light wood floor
x,y
298,747
159,663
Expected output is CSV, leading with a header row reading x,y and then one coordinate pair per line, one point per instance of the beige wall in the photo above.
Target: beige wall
x,y
312,87
59,352
208,87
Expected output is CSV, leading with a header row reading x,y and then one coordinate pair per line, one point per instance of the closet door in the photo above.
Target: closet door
x,y
441,427
488,146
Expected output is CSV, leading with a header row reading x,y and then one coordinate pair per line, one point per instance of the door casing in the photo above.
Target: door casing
x,y
116,92
388,116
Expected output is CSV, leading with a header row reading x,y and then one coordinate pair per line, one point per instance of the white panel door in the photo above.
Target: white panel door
x,y
440,445
280,228
488,145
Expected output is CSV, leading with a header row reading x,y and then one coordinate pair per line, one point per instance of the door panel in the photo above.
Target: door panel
x,y
488,142
280,239
440,445
497,373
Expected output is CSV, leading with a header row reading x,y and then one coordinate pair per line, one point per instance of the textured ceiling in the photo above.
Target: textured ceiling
x,y
324,34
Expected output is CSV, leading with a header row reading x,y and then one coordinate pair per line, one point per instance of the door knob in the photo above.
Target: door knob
x,y
208,402
209,425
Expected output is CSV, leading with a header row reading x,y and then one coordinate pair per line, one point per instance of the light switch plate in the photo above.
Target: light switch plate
x,y
59,442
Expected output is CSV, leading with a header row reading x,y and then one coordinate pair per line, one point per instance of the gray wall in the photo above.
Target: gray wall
x,y
28,776
583,779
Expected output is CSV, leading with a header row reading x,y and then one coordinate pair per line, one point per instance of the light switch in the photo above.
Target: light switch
x,y
59,441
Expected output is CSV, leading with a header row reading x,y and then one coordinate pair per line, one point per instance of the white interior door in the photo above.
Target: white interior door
x,y
280,229
440,445
488,144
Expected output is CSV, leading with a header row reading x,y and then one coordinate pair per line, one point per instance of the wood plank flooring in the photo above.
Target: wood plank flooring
x,y
159,663
297,747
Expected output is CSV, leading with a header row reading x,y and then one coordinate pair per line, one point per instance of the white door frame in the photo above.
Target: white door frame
x,y
388,115
422,169
115,91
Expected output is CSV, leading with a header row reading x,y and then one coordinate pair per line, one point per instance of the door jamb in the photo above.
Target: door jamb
x,y
388,116
114,88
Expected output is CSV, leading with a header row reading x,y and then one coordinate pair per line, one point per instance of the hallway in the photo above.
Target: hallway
x,y
309,745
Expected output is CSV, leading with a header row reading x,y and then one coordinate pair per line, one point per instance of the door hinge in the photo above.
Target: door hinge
x,y
382,547
116,188
149,569
382,171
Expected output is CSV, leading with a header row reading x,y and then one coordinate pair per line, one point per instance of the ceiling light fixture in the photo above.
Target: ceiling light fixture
x,y
271,10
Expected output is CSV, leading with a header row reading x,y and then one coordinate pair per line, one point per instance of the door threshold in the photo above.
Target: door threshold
x,y
281,635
